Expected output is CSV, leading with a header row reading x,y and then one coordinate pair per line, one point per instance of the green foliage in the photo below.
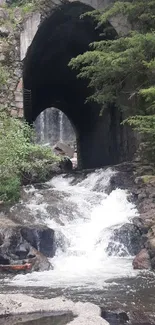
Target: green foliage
x,y
122,71
26,7
19,156
9,188
112,64
4,75
19,3
140,13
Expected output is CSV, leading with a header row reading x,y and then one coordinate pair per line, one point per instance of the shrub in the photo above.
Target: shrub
x,y
20,156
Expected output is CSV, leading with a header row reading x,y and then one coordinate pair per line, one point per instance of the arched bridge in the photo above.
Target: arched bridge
x,y
49,82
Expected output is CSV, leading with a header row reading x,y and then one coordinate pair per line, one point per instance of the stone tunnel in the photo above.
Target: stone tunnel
x,y
49,82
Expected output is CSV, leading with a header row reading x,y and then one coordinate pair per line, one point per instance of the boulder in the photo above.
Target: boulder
x,y
151,247
40,237
142,260
63,149
38,261
15,250
126,240
65,164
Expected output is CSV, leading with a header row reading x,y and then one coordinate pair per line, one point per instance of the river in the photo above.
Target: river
x,y
84,214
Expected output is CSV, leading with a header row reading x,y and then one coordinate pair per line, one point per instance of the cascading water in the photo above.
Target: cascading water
x,y
52,126
83,216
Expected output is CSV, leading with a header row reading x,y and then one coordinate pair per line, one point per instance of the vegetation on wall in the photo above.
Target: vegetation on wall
x,y
20,158
125,66
4,75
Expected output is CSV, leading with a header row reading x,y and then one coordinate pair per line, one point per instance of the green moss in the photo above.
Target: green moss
x,y
4,75
148,179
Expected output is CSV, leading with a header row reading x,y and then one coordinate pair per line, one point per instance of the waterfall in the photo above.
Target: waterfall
x,y
52,126
83,217
61,126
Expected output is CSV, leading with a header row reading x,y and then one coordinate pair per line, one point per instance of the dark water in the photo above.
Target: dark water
x,y
133,296
36,319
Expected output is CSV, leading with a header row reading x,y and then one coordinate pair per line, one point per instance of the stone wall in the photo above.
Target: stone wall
x,y
11,91
17,30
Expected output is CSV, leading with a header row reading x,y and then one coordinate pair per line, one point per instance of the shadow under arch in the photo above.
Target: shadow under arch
x,y
49,82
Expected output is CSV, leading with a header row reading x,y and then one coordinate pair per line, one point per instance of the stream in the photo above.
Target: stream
x,y
84,213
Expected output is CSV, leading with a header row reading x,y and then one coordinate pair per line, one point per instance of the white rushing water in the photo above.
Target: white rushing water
x,y
84,221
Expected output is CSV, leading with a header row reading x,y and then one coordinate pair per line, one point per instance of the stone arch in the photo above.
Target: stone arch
x,y
49,82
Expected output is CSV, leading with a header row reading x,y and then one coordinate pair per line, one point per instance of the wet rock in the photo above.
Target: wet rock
x,y
22,250
38,261
115,318
142,260
15,250
19,304
4,260
61,241
141,317
150,246
65,164
141,225
126,240
41,238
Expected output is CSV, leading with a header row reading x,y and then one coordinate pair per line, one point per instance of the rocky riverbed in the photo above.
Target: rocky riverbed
x,y
140,181
27,237
24,240
83,313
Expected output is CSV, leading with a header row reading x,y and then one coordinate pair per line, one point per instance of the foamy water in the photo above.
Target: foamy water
x,y
87,223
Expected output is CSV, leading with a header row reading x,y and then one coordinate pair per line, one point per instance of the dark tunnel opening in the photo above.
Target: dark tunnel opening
x,y
49,82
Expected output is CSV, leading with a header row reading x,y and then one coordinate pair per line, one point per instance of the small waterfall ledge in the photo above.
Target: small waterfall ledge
x,y
84,218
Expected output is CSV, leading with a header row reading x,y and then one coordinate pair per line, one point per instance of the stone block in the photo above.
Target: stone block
x,y
19,105
18,97
14,113
20,113
20,85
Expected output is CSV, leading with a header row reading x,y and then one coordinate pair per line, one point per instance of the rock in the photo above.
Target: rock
x,y
15,250
22,250
3,13
38,260
65,164
142,225
126,240
151,247
115,317
24,305
4,260
41,238
142,260
4,32
63,149
74,160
